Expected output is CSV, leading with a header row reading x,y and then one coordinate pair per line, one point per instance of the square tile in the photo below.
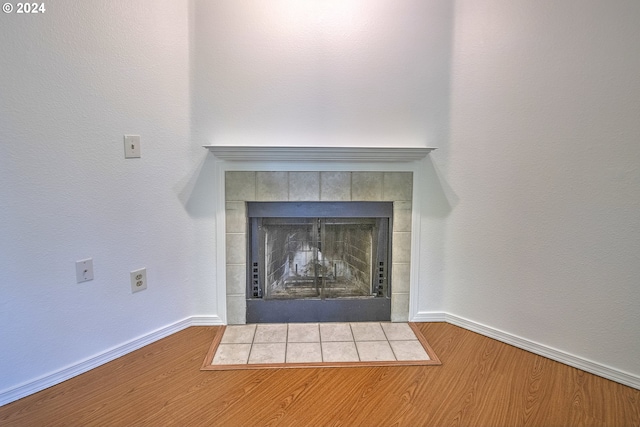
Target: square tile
x,y
271,333
398,331
272,186
240,186
236,279
335,332
235,215
304,352
268,353
236,247
401,274
399,307
303,332
398,185
237,334
409,350
232,354
367,331
335,186
375,351
236,309
401,247
339,352
402,216
304,186
366,186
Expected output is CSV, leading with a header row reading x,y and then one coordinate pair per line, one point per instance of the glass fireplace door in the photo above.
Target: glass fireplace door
x,y
319,257
316,268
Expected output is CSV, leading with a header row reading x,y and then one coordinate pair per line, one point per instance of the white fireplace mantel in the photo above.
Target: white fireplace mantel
x,y
278,158
319,154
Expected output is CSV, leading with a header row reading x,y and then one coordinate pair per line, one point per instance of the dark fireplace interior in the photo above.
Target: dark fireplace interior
x,y
318,261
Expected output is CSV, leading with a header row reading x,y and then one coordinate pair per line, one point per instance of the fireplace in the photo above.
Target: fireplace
x,y
248,173
318,261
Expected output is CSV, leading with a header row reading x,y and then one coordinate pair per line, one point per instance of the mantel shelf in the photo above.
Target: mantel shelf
x,y
319,154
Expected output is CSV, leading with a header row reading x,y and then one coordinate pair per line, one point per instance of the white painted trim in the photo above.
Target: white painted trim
x,y
429,316
220,256
318,154
601,370
222,166
53,378
48,380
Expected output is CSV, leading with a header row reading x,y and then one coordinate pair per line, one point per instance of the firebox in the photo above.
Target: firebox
x,y
318,261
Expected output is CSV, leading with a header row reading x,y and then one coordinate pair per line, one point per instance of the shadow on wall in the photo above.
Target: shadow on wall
x,y
197,192
440,198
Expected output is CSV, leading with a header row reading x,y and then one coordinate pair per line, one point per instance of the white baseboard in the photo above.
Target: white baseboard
x,y
429,316
546,351
48,380
206,321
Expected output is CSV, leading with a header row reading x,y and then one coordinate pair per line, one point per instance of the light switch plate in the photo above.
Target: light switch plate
x,y
131,146
84,270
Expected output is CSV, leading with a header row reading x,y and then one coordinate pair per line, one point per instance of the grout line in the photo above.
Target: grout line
x,y
320,342
286,343
353,337
389,342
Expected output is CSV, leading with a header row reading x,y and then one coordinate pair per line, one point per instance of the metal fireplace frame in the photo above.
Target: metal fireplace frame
x,y
373,307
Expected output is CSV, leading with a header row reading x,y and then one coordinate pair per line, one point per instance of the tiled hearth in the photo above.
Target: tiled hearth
x,y
318,342
245,186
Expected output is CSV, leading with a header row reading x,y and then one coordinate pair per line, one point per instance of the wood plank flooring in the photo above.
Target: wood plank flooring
x,y
481,382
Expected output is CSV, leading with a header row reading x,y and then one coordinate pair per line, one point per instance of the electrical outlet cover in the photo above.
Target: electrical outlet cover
x,y
138,280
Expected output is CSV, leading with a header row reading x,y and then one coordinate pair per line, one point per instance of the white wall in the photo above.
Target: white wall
x,y
329,73
530,205
322,72
544,239
73,81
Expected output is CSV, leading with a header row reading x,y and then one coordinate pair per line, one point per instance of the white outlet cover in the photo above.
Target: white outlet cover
x,y
138,280
84,270
131,146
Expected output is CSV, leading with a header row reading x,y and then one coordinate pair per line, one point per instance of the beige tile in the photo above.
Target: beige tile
x,y
268,353
272,186
304,186
239,334
335,186
339,352
240,185
304,352
366,186
401,247
271,333
236,309
367,331
232,354
399,307
303,332
335,332
398,186
398,331
235,217
374,351
236,279
402,220
401,277
409,350
236,247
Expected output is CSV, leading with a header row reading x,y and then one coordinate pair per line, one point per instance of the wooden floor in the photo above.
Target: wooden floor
x,y
481,382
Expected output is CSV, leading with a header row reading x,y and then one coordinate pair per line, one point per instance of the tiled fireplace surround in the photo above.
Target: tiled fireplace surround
x,y
244,186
